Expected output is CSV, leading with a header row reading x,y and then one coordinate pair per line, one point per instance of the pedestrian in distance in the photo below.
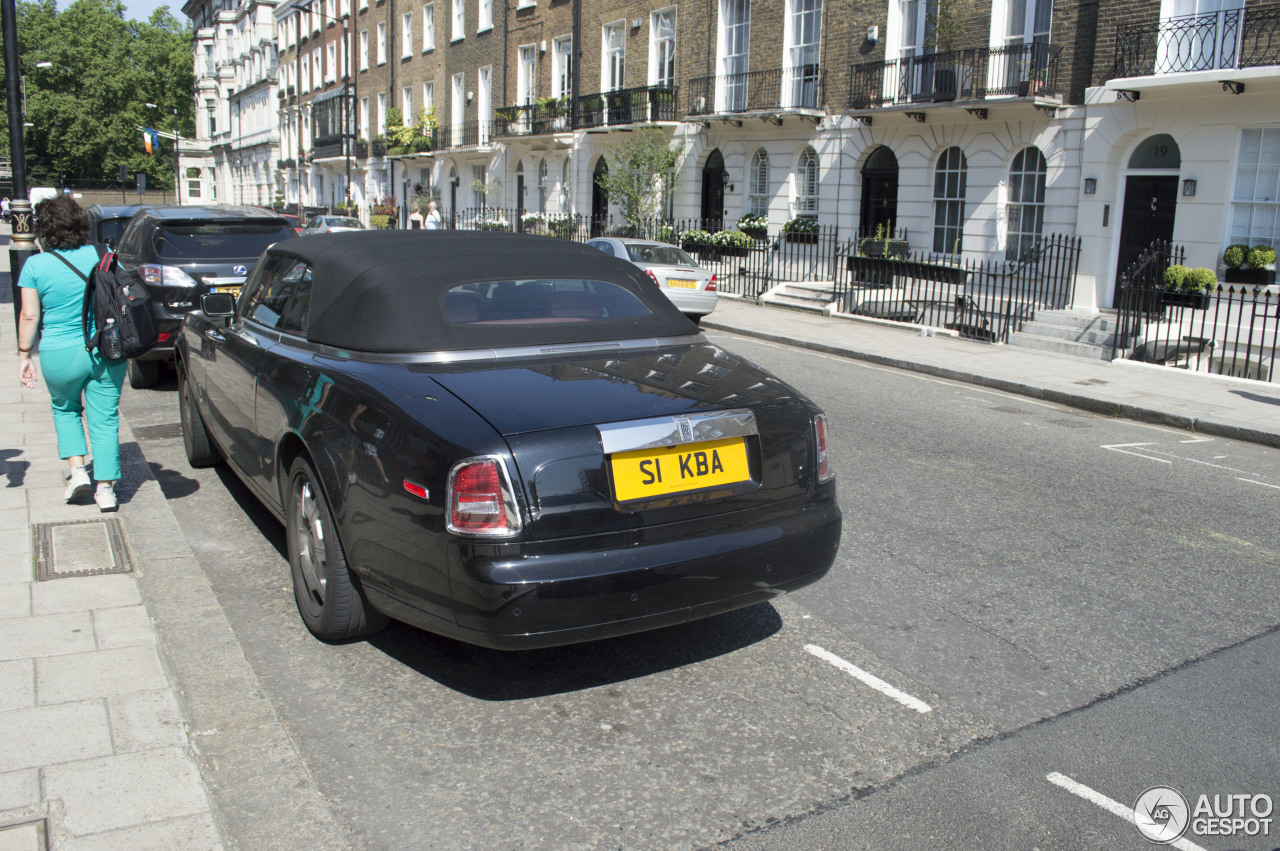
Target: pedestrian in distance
x,y
433,216
82,384
5,208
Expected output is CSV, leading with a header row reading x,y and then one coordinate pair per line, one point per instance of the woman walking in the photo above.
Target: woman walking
x,y
53,290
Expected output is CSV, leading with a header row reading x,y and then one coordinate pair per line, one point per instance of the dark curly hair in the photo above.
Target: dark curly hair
x,y
61,224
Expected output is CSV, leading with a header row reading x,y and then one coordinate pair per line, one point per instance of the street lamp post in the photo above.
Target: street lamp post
x,y
177,178
24,243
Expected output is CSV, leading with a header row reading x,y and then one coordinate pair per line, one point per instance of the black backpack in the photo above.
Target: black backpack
x,y
114,293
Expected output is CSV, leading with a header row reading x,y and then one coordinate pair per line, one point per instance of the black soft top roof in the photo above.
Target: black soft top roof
x,y
383,291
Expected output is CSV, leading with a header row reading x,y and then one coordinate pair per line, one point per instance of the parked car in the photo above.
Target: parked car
x,y
520,444
183,253
107,222
691,287
295,222
331,224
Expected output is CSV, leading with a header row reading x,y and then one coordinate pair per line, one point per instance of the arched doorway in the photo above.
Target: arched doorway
x,y
879,192
713,191
1150,198
599,199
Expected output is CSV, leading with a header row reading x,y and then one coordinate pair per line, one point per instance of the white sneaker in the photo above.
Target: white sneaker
x,y
78,484
105,496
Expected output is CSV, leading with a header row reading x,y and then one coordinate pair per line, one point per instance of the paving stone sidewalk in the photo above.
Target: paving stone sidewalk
x,y
94,751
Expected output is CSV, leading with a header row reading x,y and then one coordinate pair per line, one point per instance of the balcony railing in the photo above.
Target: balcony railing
x,y
624,106
467,134
1019,70
1235,38
759,91
628,106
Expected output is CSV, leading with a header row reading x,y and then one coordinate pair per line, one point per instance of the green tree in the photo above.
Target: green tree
x,y
638,180
85,109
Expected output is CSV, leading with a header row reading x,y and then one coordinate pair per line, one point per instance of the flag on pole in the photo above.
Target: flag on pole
x,y
150,140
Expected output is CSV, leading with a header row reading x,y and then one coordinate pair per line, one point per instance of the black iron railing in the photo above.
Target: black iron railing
x,y
1234,38
1020,70
752,91
982,300
628,106
332,146
467,134
532,119
1231,330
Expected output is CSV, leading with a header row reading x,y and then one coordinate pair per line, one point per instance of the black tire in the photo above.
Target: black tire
x,y
330,600
696,318
199,448
143,374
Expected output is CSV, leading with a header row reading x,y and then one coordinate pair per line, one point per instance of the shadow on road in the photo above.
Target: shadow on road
x,y
263,520
173,484
497,675
1254,397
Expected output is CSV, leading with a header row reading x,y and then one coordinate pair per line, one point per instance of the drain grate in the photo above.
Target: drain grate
x,y
79,548
1010,411
167,431
1070,423
1091,382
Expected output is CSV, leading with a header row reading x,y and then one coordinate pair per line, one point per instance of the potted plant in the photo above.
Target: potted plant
x,y
694,240
754,226
883,244
1245,265
801,229
731,243
1187,287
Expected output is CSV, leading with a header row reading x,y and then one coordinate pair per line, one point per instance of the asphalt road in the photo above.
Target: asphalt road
x,y
1022,591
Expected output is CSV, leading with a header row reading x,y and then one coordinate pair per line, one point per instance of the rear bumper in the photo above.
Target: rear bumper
x,y
689,302
513,598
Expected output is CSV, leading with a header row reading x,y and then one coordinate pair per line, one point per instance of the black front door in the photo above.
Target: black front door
x,y
713,192
879,192
1147,215
520,202
599,199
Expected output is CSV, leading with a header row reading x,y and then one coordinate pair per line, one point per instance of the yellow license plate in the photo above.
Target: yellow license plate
x,y
646,473
682,283
234,290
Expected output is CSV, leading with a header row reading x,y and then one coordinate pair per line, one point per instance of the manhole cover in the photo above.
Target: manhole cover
x,y
1010,411
30,835
1070,423
79,548
166,431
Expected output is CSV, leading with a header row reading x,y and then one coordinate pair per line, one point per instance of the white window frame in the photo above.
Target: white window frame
x,y
808,183
562,66
364,118
382,114
344,9
429,95
526,73
1024,210
526,4
364,50
613,56
758,183
733,33
317,68
662,48
364,4
406,105
459,20
801,62
484,103
485,16
479,180
1255,191
382,42
331,55
950,185
406,35
543,180
457,105
428,27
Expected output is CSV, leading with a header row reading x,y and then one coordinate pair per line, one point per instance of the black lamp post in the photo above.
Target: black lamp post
x,y
24,243
177,178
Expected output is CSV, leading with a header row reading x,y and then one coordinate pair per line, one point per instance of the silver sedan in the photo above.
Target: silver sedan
x,y
331,224
689,286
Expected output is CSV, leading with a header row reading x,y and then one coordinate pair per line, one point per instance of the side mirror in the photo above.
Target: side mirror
x,y
215,305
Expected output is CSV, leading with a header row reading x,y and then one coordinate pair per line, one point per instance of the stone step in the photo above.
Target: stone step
x,y
1082,319
785,300
1094,337
1058,346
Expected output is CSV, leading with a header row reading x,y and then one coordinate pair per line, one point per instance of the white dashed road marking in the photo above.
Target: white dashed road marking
x,y
1124,447
870,679
1264,484
1114,807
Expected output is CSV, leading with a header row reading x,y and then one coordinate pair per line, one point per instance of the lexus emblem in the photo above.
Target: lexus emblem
x,y
239,270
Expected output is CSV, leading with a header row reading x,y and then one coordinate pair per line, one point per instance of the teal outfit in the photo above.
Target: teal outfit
x,y
70,372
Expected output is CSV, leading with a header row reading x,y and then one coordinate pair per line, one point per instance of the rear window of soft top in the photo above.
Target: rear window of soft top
x,y
218,240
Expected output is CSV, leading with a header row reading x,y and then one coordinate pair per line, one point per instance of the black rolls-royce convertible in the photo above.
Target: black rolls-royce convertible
x,y
515,441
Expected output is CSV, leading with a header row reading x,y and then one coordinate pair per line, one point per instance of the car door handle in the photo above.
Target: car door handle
x,y
214,337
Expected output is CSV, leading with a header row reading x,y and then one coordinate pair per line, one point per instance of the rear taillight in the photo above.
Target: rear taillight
x,y
168,276
711,287
825,471
652,276
163,336
481,501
